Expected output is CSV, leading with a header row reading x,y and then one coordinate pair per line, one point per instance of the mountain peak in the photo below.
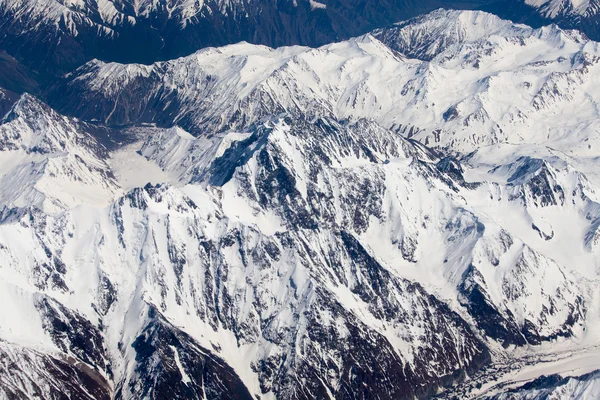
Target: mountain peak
x,y
35,127
405,214
427,36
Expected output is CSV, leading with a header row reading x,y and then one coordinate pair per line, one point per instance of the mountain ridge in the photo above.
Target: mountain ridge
x,y
54,37
368,219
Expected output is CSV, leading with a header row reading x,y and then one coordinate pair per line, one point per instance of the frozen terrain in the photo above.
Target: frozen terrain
x,y
407,214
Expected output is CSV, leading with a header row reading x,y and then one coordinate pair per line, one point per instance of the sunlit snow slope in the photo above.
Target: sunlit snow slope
x,y
406,214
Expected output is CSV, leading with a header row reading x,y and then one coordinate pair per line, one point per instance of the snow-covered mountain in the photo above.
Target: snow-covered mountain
x,y
53,37
555,8
470,79
554,386
407,214
49,161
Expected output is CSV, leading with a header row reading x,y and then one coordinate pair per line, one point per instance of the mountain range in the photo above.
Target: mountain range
x,y
53,37
411,212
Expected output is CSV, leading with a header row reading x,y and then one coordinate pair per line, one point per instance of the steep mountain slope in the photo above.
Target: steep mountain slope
x,y
315,271
274,290
455,97
342,222
554,386
48,162
16,78
53,37
569,14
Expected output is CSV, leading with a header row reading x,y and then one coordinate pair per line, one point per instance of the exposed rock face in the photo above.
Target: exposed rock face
x,y
26,373
302,223
451,96
54,37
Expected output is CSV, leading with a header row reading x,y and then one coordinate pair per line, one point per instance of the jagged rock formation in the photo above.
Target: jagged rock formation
x,y
302,223
53,37
450,94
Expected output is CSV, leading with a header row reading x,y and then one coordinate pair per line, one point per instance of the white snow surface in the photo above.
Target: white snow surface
x,y
518,107
484,81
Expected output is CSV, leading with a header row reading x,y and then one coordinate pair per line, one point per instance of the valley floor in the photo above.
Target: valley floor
x,y
514,372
